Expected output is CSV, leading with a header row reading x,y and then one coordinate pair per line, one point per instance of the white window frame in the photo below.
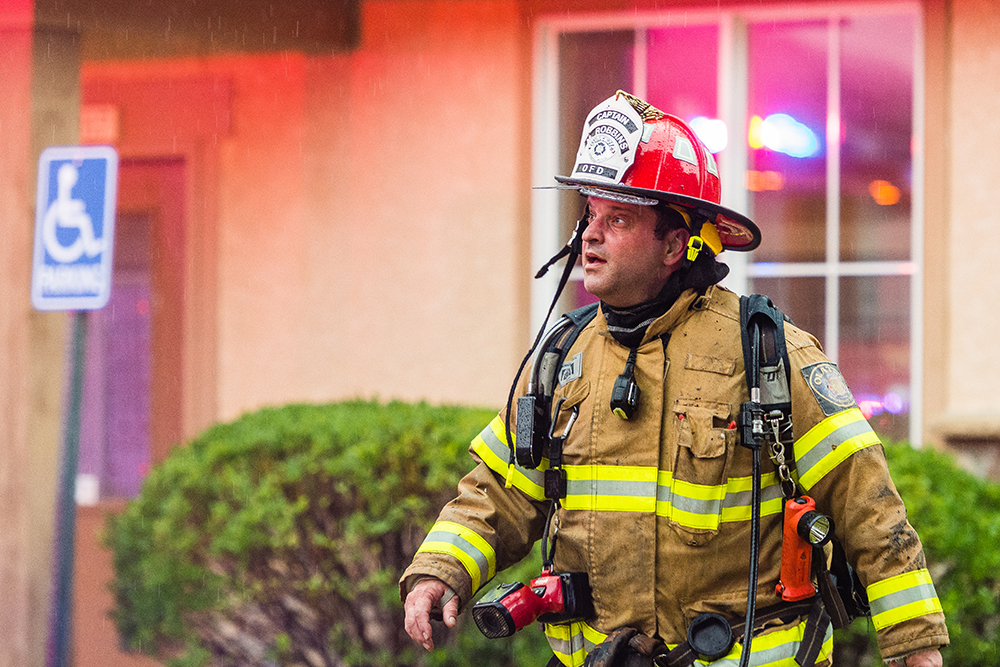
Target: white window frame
x,y
732,100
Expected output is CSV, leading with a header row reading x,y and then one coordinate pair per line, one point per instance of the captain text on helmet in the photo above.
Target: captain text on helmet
x,y
632,460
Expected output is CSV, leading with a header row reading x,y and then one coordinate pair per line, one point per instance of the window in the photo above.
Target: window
x,y
820,107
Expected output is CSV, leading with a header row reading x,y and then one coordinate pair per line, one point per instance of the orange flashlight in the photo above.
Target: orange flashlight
x,y
805,530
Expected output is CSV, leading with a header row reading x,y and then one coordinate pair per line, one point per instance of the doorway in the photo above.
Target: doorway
x,y
132,397
131,412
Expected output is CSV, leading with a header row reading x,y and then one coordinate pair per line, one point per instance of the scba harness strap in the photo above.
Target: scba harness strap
x,y
766,367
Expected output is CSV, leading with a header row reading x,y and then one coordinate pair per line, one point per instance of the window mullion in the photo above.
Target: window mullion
x,y
640,63
917,246
733,87
833,133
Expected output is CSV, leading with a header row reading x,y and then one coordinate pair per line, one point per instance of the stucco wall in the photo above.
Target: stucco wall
x,y
38,77
261,235
15,252
373,211
973,398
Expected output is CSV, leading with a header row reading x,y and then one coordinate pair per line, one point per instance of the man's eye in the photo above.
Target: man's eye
x,y
618,221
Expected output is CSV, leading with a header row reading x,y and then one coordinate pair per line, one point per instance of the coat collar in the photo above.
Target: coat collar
x,y
686,304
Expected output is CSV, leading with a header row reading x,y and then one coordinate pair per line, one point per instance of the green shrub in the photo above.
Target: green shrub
x,y
958,518
279,538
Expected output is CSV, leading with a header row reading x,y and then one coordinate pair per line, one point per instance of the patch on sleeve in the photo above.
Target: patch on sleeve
x,y
829,387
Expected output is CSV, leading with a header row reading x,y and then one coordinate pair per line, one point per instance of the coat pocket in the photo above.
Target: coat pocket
x,y
703,440
704,446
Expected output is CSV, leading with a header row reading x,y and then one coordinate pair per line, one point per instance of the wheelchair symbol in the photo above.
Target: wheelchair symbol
x,y
68,213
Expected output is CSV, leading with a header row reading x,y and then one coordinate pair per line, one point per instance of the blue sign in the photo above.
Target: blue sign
x,y
74,228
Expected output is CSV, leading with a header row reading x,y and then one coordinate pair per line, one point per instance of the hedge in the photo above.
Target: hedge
x,y
278,539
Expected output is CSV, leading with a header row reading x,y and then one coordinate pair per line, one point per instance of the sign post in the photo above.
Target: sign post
x,y
71,271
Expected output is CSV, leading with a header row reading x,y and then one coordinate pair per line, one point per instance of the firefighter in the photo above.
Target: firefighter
x,y
656,509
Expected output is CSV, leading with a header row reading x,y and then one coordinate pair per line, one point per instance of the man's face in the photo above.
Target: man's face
x,y
624,264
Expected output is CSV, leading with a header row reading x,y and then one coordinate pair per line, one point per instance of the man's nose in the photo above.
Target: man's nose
x,y
594,231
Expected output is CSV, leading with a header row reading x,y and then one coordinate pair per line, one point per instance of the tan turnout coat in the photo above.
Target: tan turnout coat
x,y
658,506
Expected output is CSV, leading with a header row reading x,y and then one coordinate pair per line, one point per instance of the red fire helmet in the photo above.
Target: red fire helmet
x,y
632,152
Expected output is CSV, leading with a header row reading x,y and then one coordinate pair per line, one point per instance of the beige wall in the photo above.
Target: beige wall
x,y
16,206
369,210
372,214
972,311
357,226
39,83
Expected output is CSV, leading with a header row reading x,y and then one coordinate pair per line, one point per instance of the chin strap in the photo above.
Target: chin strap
x,y
573,247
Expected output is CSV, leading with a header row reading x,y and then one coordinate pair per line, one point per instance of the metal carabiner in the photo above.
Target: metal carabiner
x,y
554,477
569,424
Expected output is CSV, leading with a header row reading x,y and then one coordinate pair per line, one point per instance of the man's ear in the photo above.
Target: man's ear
x,y
677,241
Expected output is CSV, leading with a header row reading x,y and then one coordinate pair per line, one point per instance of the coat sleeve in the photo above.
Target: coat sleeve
x,y
840,462
488,527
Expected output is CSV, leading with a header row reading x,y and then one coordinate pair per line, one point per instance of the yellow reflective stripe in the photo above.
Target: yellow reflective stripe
x,y
571,642
829,443
775,649
739,491
610,488
705,507
475,553
902,598
491,446
607,488
695,505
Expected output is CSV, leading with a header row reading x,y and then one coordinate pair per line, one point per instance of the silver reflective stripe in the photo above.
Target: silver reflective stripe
x,y
695,505
769,490
830,442
733,500
496,454
902,598
572,642
633,488
471,549
705,507
776,649
611,488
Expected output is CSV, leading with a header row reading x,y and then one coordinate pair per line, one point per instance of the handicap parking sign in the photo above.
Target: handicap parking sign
x,y
74,228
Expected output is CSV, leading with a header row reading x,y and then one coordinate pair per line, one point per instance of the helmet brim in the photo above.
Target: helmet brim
x,y
736,231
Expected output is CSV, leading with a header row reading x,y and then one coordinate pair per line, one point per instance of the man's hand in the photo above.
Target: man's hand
x,y
425,596
928,658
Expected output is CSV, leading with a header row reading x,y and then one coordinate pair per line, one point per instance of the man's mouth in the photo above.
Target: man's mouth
x,y
591,259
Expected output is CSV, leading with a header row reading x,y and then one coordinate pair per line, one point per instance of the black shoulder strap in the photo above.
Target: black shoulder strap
x,y
580,317
765,356
765,360
768,371
534,417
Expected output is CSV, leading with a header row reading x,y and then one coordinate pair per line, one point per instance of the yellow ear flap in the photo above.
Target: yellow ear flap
x,y
707,236
711,236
